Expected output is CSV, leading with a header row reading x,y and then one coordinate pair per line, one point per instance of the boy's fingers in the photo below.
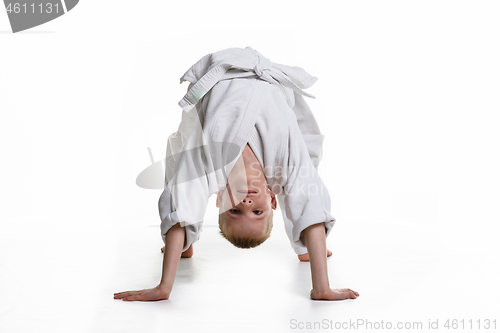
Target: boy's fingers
x,y
127,293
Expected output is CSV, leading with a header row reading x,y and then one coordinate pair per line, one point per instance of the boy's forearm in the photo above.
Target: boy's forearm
x,y
315,241
174,243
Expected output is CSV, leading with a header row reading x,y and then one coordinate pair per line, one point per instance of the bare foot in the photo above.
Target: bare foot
x,y
334,294
305,257
186,254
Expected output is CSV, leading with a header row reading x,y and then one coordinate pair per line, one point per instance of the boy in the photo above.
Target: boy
x,y
245,117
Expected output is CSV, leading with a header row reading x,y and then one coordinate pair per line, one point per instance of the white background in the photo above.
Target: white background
x,y
407,97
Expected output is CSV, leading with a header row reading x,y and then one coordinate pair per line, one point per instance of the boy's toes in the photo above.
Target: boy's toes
x,y
352,294
304,257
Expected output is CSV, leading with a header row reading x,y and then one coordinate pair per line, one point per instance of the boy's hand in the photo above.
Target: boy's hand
x,y
334,294
314,237
153,294
174,241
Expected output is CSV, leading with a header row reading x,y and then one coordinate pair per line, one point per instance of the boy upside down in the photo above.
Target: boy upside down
x,y
244,116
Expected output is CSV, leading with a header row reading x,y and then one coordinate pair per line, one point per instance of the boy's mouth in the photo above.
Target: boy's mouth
x,y
247,192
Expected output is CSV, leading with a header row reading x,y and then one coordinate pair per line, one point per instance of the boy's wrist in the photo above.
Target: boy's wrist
x,y
164,288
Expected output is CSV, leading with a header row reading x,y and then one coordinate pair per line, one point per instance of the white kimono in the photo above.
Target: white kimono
x,y
272,118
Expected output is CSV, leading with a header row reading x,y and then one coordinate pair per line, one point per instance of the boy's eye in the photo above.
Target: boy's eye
x,y
257,212
234,211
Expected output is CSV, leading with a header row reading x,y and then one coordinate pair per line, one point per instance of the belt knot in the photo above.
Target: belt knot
x,y
263,65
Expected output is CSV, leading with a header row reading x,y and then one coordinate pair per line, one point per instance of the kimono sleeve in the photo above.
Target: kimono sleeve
x,y
307,200
169,218
185,195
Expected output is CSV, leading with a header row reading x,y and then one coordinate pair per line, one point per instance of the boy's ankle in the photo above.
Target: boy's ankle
x,y
188,253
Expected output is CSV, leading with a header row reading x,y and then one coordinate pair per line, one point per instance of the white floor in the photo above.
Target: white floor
x,y
407,97
66,284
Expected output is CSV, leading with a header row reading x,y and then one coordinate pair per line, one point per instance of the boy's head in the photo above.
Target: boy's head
x,y
246,204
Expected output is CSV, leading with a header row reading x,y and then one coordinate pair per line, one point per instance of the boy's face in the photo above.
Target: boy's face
x,y
247,201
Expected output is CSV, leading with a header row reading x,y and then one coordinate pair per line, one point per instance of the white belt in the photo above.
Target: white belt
x,y
238,63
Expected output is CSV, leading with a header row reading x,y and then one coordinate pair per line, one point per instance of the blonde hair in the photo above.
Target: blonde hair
x,y
245,241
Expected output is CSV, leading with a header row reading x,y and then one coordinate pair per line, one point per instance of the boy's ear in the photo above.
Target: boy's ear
x,y
218,200
273,199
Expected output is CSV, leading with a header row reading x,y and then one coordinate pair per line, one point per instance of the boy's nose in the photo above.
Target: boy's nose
x,y
247,201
